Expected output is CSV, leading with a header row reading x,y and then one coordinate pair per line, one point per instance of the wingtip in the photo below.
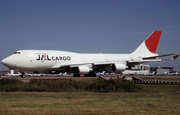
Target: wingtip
x,y
176,56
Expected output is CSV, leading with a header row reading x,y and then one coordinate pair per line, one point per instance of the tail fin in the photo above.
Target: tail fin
x,y
149,46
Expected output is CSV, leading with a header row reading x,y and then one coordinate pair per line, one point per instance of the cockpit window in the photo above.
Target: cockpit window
x,y
17,53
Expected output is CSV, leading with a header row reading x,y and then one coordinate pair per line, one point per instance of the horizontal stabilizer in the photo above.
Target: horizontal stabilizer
x,y
172,58
144,61
154,57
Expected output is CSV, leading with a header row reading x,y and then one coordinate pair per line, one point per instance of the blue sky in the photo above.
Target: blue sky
x,y
92,26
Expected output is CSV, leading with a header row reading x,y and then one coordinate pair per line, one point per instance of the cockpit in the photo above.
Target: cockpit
x,y
17,53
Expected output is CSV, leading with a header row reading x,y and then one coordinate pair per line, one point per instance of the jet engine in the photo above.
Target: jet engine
x,y
118,67
83,69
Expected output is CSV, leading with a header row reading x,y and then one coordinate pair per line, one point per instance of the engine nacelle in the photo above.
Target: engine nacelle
x,y
83,70
118,67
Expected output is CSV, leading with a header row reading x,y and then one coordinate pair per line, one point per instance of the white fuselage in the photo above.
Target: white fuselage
x,y
40,60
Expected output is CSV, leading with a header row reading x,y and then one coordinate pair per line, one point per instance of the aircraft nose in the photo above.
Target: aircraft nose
x,y
8,62
4,61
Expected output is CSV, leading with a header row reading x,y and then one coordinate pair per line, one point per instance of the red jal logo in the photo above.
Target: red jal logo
x,y
44,57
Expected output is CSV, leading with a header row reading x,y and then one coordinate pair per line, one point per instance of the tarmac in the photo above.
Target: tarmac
x,y
145,79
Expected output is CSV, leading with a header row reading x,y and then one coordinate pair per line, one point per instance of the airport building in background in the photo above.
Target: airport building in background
x,y
147,69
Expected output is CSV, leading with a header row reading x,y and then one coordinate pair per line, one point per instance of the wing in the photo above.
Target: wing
x,y
85,68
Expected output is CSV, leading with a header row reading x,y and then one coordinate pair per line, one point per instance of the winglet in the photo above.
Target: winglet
x,y
153,40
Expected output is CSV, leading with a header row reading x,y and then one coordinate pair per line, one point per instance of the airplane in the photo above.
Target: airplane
x,y
141,73
100,73
32,74
63,74
35,75
175,73
162,73
13,75
44,74
60,74
153,73
85,63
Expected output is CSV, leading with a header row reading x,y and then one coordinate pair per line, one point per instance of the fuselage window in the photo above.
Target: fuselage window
x,y
17,53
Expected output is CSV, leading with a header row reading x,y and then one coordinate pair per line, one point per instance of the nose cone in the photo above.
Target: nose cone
x,y
9,62
3,61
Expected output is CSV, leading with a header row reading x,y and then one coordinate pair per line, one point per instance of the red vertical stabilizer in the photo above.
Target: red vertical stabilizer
x,y
152,41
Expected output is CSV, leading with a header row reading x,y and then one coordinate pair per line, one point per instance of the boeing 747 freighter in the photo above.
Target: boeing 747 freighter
x,y
85,63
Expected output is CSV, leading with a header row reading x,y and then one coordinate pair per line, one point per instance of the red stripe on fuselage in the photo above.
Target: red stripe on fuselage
x,y
44,57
